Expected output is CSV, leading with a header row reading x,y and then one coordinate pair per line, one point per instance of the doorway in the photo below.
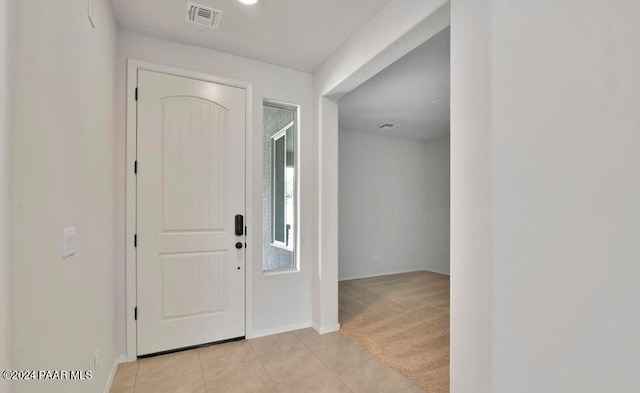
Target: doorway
x,y
394,214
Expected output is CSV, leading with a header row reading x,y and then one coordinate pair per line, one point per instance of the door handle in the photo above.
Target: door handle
x,y
239,245
239,225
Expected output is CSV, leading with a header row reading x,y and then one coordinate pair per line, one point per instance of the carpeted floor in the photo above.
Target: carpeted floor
x,y
403,319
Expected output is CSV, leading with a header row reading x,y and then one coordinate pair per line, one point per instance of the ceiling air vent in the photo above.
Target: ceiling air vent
x,y
387,126
203,16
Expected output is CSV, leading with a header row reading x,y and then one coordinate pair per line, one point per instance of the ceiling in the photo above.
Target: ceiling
x,y
413,92
298,34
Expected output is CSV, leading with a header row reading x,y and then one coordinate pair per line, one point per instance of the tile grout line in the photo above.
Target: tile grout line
x,y
345,383
135,380
304,347
204,382
327,366
259,359
268,373
312,353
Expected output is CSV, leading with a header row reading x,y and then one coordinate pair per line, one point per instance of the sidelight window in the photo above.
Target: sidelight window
x,y
279,194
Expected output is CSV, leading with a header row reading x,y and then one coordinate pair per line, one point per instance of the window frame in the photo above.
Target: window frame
x,y
274,139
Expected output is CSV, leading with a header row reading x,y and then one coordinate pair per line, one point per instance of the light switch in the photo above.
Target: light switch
x,y
69,242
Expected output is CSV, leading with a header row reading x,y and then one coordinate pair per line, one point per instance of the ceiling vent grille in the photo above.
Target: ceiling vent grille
x,y
203,16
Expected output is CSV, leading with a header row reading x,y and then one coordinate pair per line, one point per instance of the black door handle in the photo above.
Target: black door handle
x,y
239,225
239,245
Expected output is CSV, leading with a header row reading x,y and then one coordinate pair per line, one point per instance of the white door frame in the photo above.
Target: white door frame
x,y
131,192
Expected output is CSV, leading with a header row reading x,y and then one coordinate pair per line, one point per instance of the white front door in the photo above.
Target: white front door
x,y
191,185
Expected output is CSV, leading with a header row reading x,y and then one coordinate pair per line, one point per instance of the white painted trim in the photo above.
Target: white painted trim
x,y
326,329
437,271
391,273
114,368
280,272
279,134
133,66
281,329
274,138
281,246
130,207
249,217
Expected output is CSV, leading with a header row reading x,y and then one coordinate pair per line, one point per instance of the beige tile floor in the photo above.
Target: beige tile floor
x,y
300,361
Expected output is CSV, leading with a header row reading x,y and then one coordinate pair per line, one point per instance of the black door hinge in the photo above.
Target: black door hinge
x,y
136,94
135,240
135,166
135,313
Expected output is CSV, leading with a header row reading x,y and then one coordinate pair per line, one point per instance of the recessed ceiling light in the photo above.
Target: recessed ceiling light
x,y
248,1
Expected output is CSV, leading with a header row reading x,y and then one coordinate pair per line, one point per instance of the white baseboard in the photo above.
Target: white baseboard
x,y
359,276
438,271
280,329
118,360
390,274
326,329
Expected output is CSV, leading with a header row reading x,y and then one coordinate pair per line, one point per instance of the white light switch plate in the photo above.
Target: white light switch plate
x,y
69,242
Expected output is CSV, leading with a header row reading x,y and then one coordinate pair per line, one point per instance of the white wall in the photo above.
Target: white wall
x,y
471,193
545,191
279,300
566,195
5,131
438,181
61,176
393,205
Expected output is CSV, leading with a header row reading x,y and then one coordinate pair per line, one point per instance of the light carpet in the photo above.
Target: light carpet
x,y
403,319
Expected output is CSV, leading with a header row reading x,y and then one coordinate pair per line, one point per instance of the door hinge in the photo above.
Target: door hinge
x,y
135,314
135,240
136,94
135,167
